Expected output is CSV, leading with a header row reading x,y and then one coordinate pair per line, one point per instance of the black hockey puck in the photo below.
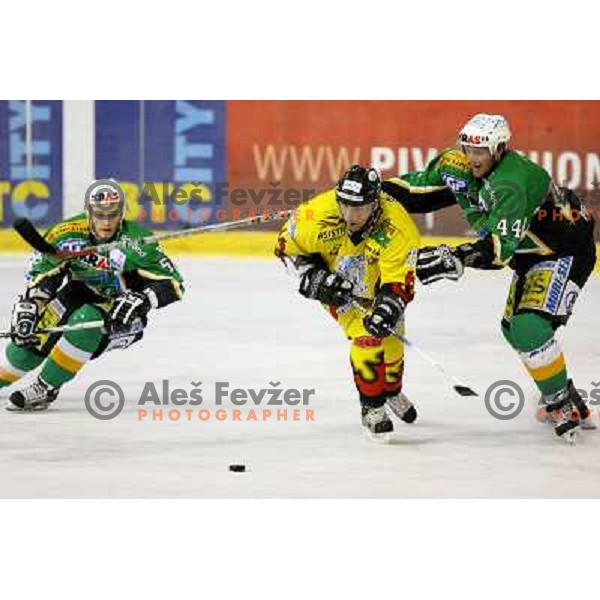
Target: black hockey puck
x,y
237,468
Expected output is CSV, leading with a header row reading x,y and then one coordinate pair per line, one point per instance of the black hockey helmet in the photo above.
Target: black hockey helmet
x,y
358,186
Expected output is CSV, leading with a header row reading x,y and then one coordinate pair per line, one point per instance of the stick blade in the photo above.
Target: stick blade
x,y
464,390
27,231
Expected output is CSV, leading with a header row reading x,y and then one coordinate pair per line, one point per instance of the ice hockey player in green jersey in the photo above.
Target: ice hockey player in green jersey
x,y
523,221
120,288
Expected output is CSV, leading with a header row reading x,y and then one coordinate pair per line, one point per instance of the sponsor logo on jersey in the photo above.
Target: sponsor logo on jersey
x,y
96,261
117,259
72,245
559,280
535,290
459,186
544,287
455,160
61,229
133,244
332,234
381,237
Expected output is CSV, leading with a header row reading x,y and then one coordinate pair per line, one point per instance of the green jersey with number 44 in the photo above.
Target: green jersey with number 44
x,y
516,208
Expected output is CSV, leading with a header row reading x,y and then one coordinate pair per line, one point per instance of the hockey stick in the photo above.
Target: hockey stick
x,y
359,302
459,387
32,236
61,328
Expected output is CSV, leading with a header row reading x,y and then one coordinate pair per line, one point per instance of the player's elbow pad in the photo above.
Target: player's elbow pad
x,y
163,292
46,288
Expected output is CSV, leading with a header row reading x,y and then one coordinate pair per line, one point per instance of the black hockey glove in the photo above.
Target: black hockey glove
x,y
23,322
129,309
325,286
387,313
478,255
438,262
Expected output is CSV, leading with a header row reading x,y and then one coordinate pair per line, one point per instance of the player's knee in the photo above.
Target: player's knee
x,y
529,331
24,359
86,338
86,314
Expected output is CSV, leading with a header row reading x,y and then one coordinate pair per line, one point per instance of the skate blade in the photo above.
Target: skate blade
x,y
10,407
587,425
379,438
570,437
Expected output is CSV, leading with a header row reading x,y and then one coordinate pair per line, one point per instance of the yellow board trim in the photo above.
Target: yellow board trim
x,y
252,244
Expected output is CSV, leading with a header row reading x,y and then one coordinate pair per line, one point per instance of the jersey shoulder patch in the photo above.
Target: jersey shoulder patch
x,y
455,159
395,223
76,225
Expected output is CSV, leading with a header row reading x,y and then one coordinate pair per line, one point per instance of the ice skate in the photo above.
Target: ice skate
x,y
577,410
402,408
585,415
376,420
566,410
36,397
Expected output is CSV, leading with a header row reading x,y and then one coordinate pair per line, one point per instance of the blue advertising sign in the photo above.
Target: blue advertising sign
x,y
167,155
31,178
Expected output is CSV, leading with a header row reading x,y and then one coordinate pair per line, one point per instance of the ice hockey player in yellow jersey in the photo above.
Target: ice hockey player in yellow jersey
x,y
353,245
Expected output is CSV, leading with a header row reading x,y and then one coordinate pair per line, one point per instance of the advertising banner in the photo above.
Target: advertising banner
x,y
168,156
305,145
31,169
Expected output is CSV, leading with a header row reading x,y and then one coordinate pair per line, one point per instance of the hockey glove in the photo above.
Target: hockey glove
x,y
129,309
479,254
24,320
325,286
438,262
387,313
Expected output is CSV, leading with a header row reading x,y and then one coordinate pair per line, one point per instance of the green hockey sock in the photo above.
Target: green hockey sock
x,y
532,336
17,363
74,349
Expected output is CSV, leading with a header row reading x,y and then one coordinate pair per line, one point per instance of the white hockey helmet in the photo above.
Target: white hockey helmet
x,y
485,131
105,198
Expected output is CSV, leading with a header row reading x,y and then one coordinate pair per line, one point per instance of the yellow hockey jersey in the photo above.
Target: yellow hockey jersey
x,y
386,255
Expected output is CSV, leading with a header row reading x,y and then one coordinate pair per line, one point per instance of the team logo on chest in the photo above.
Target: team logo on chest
x,y
353,269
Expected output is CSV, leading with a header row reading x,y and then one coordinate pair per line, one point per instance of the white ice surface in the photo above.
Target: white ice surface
x,y
240,322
